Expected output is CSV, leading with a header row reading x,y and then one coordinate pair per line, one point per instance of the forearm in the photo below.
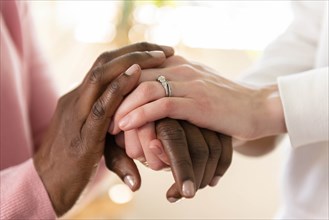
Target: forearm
x,y
269,120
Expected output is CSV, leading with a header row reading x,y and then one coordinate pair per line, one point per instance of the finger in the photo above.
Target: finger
x,y
96,125
173,194
198,150
117,160
224,160
199,154
174,61
133,146
157,149
171,107
179,73
146,92
173,139
215,147
142,46
100,76
146,134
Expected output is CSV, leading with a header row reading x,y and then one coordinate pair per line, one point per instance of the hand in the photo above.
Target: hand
x,y
205,99
74,143
198,157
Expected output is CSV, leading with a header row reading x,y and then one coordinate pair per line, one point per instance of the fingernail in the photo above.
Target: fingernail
x,y
157,53
124,122
129,181
156,149
173,200
133,69
141,159
214,181
188,189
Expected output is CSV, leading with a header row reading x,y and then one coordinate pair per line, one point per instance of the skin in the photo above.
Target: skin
x,y
258,111
77,135
198,157
209,154
205,99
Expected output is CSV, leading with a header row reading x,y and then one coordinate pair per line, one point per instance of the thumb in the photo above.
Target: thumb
x,y
117,161
96,125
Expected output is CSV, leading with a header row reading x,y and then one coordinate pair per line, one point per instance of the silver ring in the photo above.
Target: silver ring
x,y
165,84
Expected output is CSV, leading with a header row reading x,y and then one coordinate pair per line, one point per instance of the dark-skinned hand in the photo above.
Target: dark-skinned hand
x,y
77,136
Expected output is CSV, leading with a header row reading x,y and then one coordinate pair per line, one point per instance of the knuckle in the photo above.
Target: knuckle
x,y
105,57
180,59
168,132
185,68
135,56
167,105
143,46
114,88
215,151
199,84
182,164
98,110
199,150
96,74
76,146
147,88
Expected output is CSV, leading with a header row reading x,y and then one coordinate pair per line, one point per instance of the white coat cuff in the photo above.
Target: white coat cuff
x,y
305,102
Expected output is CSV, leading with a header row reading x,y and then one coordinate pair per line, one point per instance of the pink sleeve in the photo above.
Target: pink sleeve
x,y
22,189
43,95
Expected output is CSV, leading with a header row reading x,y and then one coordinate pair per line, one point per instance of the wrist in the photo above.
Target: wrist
x,y
269,115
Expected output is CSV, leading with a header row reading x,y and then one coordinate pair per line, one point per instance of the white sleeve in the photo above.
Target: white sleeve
x,y
305,103
291,62
295,50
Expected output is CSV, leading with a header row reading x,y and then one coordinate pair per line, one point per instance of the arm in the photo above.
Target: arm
x,y
22,194
293,52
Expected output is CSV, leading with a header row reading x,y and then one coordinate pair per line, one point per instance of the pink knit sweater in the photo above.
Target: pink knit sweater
x,y
27,103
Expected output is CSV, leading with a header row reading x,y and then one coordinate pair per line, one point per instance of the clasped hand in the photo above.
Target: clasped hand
x,y
77,137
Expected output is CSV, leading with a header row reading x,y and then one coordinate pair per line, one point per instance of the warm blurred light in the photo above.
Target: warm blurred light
x,y
217,24
92,21
91,32
145,14
120,194
243,25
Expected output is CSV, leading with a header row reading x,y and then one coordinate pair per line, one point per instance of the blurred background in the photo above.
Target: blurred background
x,y
228,36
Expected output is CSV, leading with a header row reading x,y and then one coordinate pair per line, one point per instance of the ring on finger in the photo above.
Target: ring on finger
x,y
165,84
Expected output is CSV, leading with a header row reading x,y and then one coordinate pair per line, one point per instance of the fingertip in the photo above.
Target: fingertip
x,y
188,189
174,200
214,181
132,182
173,195
169,51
